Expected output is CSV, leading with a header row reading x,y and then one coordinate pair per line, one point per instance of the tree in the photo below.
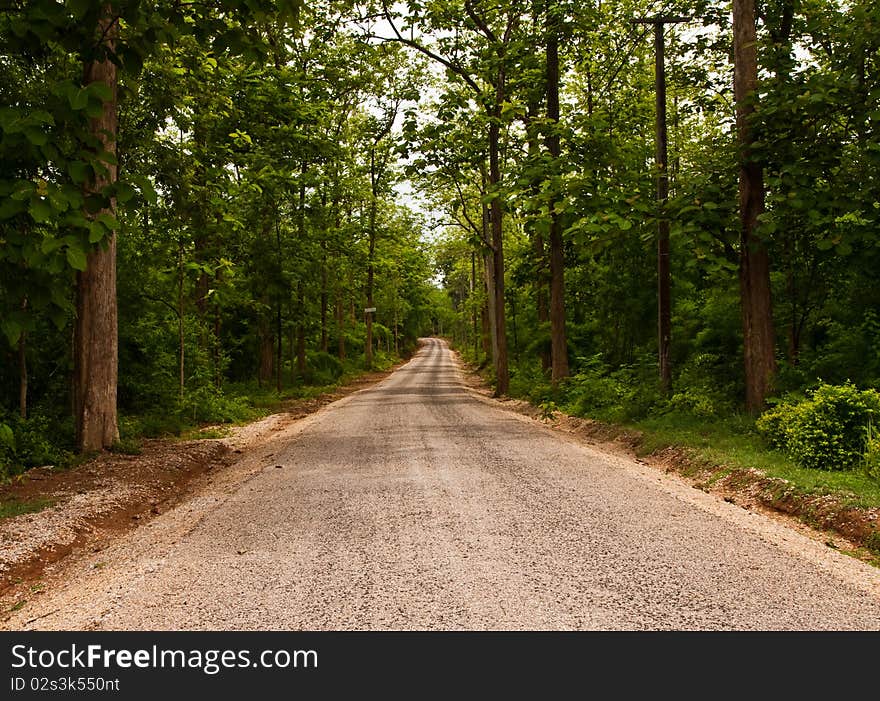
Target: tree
x,y
754,273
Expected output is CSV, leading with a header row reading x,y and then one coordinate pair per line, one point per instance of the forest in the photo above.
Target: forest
x,y
653,213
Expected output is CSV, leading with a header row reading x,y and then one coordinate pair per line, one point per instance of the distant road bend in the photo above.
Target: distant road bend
x,y
418,504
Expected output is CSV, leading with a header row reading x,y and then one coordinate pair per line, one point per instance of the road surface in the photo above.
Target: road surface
x,y
419,504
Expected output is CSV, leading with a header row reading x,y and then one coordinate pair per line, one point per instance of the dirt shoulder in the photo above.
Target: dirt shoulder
x,y
828,518
95,501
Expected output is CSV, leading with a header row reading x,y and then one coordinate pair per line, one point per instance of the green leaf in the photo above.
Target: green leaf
x,y
9,208
79,171
12,330
40,210
59,318
7,438
100,90
78,99
95,109
50,244
109,222
97,232
76,258
124,192
36,136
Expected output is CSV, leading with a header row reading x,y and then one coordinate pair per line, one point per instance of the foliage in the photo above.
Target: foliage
x,y
827,430
872,450
28,443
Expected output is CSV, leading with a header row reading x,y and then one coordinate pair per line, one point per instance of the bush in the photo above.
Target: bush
x,y
323,368
695,402
872,451
208,404
626,394
827,430
24,443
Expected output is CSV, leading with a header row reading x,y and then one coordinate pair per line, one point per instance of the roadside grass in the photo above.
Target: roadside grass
x,y
207,415
734,443
16,507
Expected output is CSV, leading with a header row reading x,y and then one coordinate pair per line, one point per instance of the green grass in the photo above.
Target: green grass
x,y
734,443
15,507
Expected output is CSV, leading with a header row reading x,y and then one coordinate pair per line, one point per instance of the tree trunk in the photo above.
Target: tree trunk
x,y
502,376
489,272
324,296
540,280
291,348
301,334
22,376
368,346
664,274
340,326
473,288
95,331
754,271
558,343
267,351
181,358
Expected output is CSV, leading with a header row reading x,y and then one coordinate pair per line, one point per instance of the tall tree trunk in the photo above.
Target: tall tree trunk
x,y
664,273
368,346
754,271
502,375
558,343
22,375
301,334
267,350
473,288
95,331
291,346
279,323
540,280
340,325
181,347
279,347
324,296
489,274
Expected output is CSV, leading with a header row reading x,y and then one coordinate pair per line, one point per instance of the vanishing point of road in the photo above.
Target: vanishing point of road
x,y
420,504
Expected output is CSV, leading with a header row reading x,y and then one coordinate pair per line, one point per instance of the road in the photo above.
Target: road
x,y
418,503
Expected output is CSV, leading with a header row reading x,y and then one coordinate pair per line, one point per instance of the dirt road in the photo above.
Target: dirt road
x,y
419,504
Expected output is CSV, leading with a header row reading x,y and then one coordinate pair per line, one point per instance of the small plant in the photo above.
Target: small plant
x,y
827,430
548,410
127,446
872,451
15,507
695,402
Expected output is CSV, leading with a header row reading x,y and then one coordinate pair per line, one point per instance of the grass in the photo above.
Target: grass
x,y
734,443
15,507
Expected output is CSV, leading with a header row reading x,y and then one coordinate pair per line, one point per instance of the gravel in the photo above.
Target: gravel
x,y
419,504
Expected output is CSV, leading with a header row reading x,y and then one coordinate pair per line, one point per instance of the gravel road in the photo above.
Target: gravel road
x,y
420,504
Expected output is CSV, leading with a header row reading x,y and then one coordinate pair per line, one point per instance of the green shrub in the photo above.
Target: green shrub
x,y
208,404
774,423
323,368
872,450
695,402
825,431
628,393
26,443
